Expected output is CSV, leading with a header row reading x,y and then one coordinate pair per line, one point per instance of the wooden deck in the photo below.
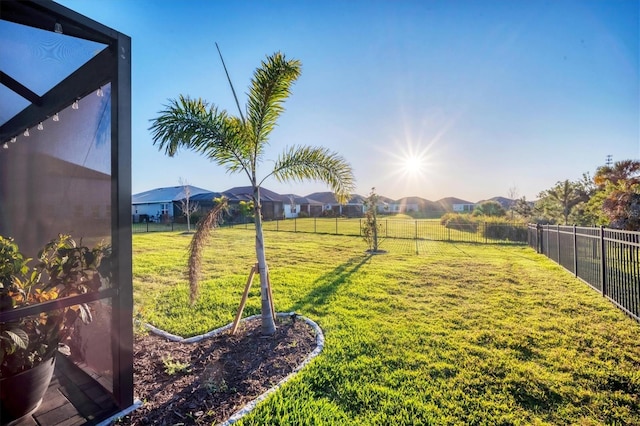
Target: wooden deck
x,y
73,398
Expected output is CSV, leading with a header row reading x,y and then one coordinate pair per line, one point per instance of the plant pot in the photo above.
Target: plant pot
x,y
22,394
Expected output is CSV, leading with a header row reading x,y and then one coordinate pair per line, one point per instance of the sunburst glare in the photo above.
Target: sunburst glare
x,y
410,168
411,163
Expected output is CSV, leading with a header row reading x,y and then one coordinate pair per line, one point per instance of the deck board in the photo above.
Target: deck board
x,y
73,398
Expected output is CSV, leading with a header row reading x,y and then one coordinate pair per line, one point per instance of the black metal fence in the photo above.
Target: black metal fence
x,y
138,227
430,230
606,259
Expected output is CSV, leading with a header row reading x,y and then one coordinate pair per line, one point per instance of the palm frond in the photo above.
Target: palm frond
x,y
199,241
319,164
270,87
191,124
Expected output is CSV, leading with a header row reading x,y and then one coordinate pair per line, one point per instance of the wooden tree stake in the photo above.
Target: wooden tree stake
x,y
243,302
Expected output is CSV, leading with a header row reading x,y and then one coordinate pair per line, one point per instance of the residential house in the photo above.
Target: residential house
x,y
384,204
305,205
407,205
161,204
272,203
353,208
452,204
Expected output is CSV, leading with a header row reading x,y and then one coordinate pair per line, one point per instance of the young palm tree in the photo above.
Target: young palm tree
x,y
239,144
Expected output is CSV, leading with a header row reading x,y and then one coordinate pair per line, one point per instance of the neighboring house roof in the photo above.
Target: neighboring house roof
x,y
205,196
245,193
448,202
411,200
330,198
453,200
423,203
383,199
165,195
302,200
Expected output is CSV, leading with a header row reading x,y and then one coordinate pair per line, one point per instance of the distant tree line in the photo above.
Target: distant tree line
x,y
611,198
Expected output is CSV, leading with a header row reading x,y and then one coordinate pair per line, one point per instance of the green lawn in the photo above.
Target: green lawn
x,y
459,334
393,227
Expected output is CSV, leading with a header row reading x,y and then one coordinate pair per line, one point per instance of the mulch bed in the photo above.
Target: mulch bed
x,y
220,374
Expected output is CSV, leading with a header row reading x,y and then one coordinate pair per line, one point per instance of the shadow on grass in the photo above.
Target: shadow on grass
x,y
327,284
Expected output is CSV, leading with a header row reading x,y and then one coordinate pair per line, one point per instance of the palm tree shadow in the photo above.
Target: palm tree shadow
x,y
328,284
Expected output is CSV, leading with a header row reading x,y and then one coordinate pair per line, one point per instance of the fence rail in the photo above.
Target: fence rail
x,y
431,230
606,259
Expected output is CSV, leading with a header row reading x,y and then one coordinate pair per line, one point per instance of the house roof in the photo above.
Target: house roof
x,y
412,200
302,200
421,202
205,196
452,201
330,198
165,195
245,193
448,202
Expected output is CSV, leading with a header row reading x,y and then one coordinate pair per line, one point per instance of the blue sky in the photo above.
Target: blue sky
x,y
488,95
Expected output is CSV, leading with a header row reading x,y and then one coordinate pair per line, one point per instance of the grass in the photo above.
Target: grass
x,y
460,334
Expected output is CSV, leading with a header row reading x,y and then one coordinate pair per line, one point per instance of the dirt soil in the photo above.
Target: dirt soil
x,y
213,378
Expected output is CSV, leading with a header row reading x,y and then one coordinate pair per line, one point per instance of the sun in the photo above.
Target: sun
x,y
414,165
410,167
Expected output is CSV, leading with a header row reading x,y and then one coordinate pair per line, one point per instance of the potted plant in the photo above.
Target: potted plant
x,y
28,344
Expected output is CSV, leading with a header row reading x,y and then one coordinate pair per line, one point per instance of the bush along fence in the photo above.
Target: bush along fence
x,y
606,259
476,232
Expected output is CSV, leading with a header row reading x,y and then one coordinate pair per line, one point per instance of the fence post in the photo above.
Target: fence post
x,y
336,225
147,225
558,242
539,235
360,227
575,251
485,232
547,249
315,225
295,224
603,263
416,224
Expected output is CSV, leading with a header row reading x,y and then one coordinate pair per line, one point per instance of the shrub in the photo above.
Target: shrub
x,y
505,231
327,213
489,208
446,217
460,222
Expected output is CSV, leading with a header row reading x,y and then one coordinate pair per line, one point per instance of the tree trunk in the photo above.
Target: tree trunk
x,y
375,230
188,216
268,323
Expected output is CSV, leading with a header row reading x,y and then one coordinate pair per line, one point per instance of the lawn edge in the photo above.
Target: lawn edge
x,y
250,406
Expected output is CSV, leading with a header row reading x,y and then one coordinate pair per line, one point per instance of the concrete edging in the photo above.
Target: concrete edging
x,y
251,405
